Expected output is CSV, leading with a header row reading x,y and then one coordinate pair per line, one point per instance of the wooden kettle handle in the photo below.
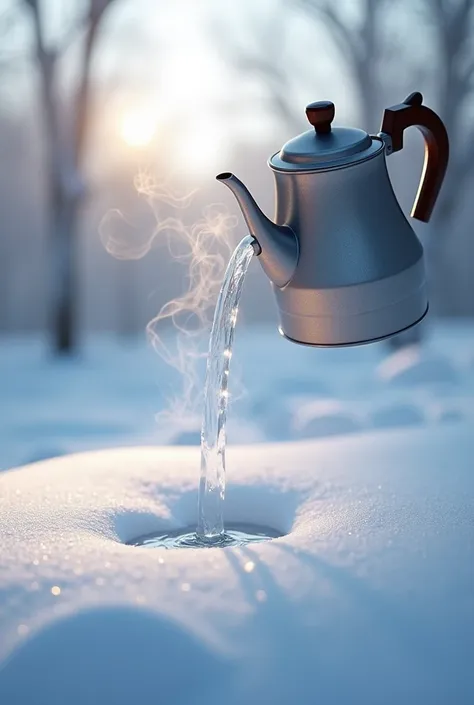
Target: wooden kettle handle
x,y
411,112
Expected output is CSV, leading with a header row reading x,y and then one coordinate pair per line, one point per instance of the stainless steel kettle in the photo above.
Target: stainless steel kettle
x,y
344,262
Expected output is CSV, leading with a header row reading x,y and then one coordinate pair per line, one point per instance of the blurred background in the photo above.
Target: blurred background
x,y
115,117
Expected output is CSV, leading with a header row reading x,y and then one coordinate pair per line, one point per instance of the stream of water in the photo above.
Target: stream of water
x,y
210,526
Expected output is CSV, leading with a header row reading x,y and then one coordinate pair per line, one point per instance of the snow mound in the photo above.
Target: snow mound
x,y
394,415
415,365
324,417
367,598
450,415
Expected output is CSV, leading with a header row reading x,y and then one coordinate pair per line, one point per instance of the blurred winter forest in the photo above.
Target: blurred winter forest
x,y
116,115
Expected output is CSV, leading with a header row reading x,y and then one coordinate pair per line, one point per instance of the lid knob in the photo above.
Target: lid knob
x,y
321,115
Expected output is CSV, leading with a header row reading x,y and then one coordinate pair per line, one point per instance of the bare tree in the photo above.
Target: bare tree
x,y
452,22
362,39
65,130
362,43
260,47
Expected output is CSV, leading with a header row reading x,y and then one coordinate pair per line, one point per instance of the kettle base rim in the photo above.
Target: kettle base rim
x,y
355,343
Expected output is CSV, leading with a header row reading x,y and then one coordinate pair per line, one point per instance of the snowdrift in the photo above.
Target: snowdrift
x,y
368,596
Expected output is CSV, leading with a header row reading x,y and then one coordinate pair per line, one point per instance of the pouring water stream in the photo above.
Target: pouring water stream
x,y
216,396
210,531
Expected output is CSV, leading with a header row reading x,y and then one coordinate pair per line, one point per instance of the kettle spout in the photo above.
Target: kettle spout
x,y
277,244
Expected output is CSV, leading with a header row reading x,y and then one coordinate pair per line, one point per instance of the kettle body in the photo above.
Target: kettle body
x,y
360,273
345,264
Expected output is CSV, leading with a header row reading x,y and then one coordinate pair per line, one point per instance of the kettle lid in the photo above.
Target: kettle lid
x,y
324,147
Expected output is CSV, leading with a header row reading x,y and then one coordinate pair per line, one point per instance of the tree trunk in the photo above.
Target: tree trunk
x,y
65,153
64,286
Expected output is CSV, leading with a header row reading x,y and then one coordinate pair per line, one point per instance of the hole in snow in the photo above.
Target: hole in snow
x,y
262,505
270,507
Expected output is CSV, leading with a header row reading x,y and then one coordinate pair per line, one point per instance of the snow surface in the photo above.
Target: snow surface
x,y
368,597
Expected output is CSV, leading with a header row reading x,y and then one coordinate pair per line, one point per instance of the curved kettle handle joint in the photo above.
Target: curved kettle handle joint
x,y
412,113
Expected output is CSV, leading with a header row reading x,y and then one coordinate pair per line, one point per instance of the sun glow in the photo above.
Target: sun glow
x,y
137,127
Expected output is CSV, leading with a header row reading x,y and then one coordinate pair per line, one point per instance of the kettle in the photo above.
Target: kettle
x,y
345,264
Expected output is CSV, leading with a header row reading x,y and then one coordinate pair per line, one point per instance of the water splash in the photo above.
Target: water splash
x,y
210,525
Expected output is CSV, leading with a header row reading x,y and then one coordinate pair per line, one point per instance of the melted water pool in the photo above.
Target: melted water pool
x,y
235,535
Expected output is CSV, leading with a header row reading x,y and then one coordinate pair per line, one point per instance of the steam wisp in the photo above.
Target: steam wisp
x,y
204,248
